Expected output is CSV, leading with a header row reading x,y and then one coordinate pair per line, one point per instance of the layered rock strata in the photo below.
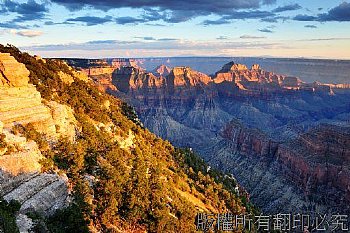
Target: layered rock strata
x,y
20,169
21,103
309,173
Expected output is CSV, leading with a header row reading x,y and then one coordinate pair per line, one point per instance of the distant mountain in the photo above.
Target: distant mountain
x,y
309,70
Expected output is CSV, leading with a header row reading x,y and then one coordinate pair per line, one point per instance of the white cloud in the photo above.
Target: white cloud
x,y
252,37
26,33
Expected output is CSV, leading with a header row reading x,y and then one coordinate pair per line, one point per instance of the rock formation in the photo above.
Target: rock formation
x,y
20,169
98,71
131,78
12,73
313,165
118,63
255,79
161,70
21,179
231,66
185,76
21,103
256,67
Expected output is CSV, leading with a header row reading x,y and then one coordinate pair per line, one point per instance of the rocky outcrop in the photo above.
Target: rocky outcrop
x,y
24,159
81,76
255,78
161,70
94,71
256,67
118,63
64,120
66,78
131,78
41,193
231,66
21,179
20,169
185,76
21,103
12,73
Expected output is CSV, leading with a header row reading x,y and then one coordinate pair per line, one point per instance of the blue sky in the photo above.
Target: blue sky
x,y
147,28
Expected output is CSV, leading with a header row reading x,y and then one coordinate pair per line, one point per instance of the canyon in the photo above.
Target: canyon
x,y
285,140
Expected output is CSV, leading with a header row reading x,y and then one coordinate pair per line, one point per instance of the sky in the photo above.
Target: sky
x,y
166,28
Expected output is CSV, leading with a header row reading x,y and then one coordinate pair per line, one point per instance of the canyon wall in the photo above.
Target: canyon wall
x,y
248,121
293,176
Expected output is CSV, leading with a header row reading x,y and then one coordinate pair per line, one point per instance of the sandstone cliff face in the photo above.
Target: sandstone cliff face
x,y
12,73
133,79
21,103
21,179
20,170
231,66
185,76
254,78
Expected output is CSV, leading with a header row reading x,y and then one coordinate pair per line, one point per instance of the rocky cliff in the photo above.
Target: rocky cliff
x,y
161,70
12,73
134,79
118,63
309,173
21,103
21,179
20,169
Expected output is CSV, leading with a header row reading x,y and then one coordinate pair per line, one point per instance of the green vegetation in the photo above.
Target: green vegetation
x,y
149,186
196,168
7,216
3,143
